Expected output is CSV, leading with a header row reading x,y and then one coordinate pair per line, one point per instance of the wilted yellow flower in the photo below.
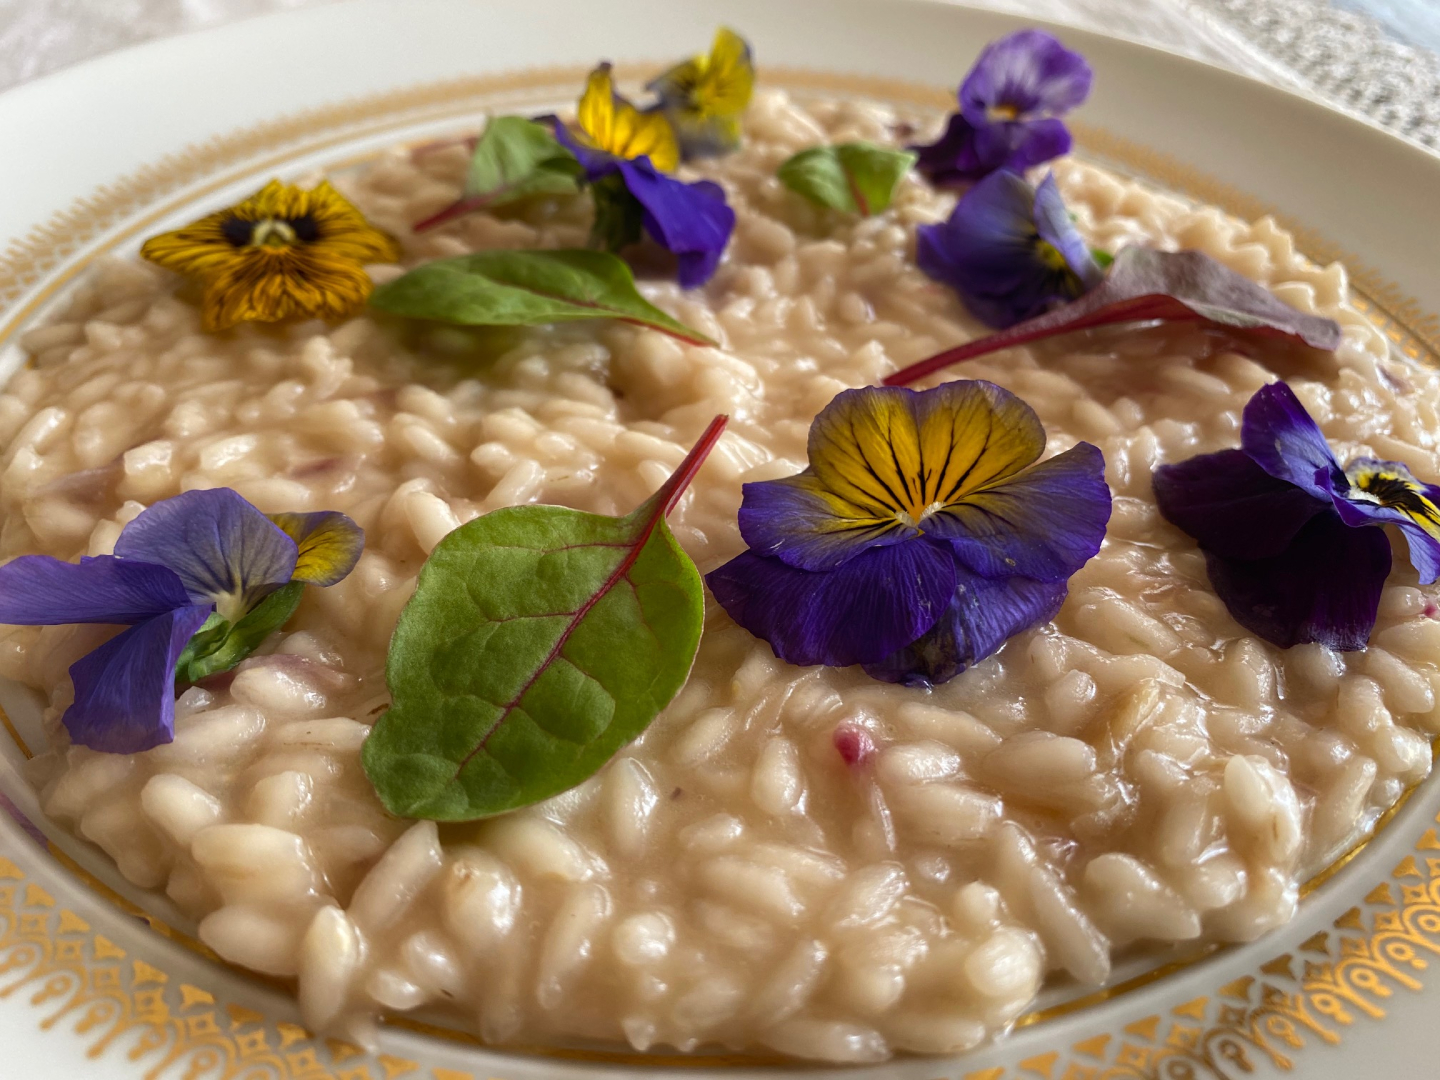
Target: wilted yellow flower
x,y
282,252
705,97
606,121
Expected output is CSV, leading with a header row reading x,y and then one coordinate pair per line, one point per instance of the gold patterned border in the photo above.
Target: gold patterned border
x,y
52,959
178,1030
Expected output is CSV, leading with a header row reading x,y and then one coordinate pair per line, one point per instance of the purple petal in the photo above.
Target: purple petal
x,y
1324,587
861,612
1028,74
989,252
1045,523
1031,143
1231,506
692,220
802,523
982,616
36,590
596,163
125,689
220,545
965,152
1053,223
1424,551
1279,434
953,158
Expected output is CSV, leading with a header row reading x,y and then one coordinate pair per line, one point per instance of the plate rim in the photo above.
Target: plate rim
x,y
187,196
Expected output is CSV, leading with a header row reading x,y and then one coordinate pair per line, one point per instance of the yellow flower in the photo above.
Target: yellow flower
x,y
705,96
610,123
282,252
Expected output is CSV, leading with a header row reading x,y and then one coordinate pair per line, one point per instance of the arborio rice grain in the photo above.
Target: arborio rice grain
x,y
1139,770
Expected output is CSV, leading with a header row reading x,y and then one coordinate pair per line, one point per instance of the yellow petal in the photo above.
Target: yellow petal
x,y
612,124
973,434
329,543
865,449
729,76
891,450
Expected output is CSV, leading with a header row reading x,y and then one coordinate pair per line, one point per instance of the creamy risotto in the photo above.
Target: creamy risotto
x,y
803,860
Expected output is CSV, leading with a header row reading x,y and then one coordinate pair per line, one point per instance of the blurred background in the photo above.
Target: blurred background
x,y
1376,58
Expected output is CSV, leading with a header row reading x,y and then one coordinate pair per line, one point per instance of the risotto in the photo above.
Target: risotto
x,y
798,859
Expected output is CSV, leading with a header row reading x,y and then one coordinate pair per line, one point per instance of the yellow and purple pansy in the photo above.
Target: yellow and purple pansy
x,y
283,252
1010,250
626,154
203,559
921,537
1010,108
705,97
1284,527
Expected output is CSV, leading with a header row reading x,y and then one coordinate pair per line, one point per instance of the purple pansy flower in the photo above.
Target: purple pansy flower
x,y
1010,250
922,535
177,564
1009,108
1283,526
626,154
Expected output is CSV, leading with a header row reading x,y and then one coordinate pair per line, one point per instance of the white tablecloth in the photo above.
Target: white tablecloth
x,y
1345,59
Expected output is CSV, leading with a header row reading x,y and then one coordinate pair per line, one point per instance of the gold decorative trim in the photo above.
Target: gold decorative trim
x,y
1295,1000
177,1030
78,979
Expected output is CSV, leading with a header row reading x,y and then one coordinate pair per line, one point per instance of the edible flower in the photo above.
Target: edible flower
x,y
1286,531
626,154
1010,105
1010,250
705,97
203,559
282,252
921,537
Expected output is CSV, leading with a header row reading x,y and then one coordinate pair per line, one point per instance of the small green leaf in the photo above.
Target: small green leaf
x,y
517,158
218,646
526,288
539,641
858,177
514,159
1103,258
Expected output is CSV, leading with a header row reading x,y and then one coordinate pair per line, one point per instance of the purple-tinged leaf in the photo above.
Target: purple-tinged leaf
x,y
1145,285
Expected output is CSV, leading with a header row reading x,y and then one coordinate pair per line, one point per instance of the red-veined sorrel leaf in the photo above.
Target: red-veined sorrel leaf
x,y
514,159
856,177
540,640
1145,285
526,288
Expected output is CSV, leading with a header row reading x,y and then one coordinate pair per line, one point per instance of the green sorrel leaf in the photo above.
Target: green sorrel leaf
x,y
218,646
858,177
539,641
514,159
526,288
1144,285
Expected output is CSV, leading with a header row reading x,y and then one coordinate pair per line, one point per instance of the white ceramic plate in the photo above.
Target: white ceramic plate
x,y
100,981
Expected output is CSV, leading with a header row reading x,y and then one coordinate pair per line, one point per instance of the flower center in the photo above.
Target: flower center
x,y
1392,490
271,232
1050,255
1002,112
907,517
